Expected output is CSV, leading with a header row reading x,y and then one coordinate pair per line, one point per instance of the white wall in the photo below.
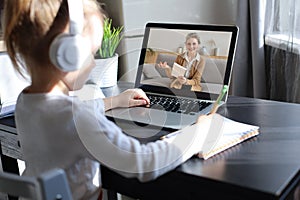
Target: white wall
x,y
134,14
170,40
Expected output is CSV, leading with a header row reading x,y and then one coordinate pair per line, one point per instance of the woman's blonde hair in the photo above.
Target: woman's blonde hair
x,y
193,35
31,25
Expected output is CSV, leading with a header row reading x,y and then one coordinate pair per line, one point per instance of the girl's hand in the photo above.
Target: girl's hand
x,y
203,118
128,98
133,97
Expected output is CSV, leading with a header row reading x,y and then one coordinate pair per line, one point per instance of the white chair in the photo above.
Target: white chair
x,y
51,185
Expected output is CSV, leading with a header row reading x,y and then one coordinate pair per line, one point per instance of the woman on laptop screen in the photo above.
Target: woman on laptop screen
x,y
188,66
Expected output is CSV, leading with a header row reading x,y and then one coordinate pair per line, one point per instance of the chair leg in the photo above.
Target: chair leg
x,y
9,165
111,195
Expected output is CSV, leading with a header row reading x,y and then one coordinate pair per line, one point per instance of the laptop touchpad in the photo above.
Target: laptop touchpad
x,y
154,117
145,115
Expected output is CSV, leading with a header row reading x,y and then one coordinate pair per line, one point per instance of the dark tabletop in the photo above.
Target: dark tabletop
x,y
267,166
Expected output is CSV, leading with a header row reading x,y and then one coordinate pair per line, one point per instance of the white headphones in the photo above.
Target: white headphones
x,y
69,51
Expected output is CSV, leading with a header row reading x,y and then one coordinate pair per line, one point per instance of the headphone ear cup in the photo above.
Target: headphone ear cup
x,y
69,52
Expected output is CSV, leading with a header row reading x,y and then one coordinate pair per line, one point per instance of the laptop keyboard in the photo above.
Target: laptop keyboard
x,y
177,105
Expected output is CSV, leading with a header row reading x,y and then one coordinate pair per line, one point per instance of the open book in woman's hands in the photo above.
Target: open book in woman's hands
x,y
178,70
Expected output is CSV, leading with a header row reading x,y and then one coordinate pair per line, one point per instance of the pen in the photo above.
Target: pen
x,y
220,97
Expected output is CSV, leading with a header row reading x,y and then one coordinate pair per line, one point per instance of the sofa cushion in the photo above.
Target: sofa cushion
x,y
214,71
165,57
211,88
149,71
162,81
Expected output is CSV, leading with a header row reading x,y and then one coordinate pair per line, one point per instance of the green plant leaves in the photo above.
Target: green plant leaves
x,y
111,39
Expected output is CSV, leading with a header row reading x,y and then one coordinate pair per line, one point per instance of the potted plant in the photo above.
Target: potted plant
x,y
106,71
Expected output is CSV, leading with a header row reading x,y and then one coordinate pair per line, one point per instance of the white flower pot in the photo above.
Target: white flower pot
x,y
105,73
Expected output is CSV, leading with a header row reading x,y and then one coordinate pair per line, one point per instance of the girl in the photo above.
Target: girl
x,y
57,130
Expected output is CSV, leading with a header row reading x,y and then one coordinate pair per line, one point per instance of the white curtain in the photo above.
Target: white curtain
x,y
282,38
249,76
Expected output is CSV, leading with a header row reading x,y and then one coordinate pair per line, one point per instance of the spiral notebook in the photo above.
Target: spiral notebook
x,y
233,133
222,138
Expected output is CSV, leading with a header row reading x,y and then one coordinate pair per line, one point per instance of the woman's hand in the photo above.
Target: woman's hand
x,y
163,65
128,98
182,80
166,67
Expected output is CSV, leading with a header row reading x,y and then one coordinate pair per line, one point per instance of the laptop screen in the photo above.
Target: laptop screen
x,y
186,60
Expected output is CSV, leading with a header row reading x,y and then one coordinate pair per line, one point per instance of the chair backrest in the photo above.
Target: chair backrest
x,y
49,185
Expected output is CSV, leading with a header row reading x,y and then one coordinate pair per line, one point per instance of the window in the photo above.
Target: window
x,y
282,24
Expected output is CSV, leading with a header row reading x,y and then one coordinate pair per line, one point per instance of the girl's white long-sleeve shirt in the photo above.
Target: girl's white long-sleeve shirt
x,y
56,130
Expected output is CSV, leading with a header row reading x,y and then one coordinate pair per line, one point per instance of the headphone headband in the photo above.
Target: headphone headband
x,y
76,16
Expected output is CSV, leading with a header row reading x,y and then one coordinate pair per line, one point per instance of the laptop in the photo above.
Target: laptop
x,y
173,107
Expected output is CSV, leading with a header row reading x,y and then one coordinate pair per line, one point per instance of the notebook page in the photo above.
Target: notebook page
x,y
233,133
